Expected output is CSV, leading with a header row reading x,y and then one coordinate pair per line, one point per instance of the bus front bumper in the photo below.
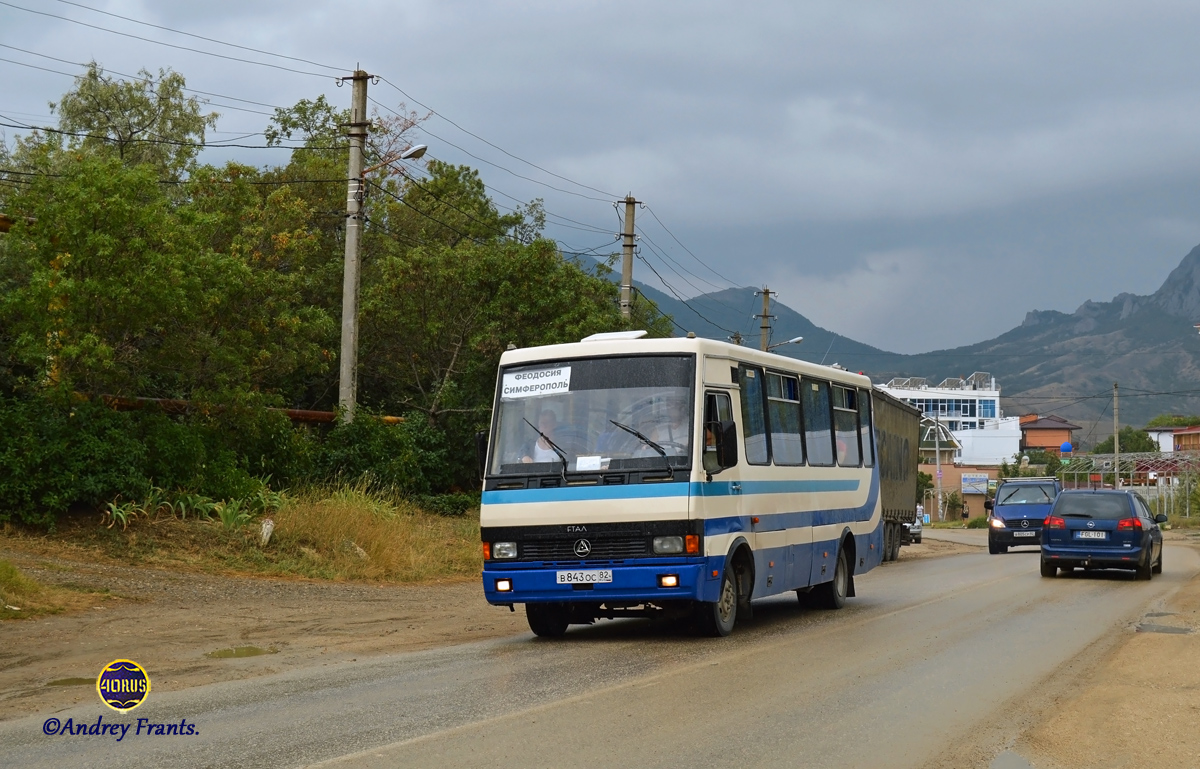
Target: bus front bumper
x,y
642,581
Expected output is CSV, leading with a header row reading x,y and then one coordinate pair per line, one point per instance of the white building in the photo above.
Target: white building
x,y
970,409
1164,437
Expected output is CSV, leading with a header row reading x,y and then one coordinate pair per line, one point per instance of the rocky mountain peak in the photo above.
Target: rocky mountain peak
x,y
1180,292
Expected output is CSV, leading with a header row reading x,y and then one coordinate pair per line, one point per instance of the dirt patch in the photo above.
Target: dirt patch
x,y
1140,708
169,620
932,548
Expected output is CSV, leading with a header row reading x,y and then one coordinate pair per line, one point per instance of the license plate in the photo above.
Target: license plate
x,y
1024,533
1091,535
584,577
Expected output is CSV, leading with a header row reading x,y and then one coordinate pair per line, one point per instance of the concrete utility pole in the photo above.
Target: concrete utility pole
x,y
937,458
348,361
1116,440
627,259
765,325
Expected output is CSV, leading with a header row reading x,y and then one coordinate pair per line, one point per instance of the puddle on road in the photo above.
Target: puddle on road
x,y
1146,627
73,682
1010,760
1161,614
238,652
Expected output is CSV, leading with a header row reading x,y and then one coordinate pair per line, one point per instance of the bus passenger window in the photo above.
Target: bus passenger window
x,y
845,423
754,420
783,404
864,427
818,435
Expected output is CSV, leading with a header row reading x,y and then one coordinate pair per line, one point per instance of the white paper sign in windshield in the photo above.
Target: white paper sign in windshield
x,y
530,384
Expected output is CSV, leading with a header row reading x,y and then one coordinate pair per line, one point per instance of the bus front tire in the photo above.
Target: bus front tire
x,y
832,594
718,618
546,620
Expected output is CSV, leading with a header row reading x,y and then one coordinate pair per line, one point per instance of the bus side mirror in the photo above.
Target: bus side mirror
x,y
481,447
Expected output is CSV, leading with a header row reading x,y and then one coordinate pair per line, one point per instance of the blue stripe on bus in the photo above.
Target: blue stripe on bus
x,y
659,490
795,520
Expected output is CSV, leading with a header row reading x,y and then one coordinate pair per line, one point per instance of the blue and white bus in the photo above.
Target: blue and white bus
x,y
626,476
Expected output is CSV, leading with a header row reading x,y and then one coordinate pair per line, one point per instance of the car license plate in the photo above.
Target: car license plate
x,y
1091,535
1024,533
584,577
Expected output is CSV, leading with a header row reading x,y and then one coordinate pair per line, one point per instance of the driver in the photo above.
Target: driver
x,y
672,432
539,450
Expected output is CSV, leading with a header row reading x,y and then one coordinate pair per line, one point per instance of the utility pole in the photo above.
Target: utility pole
x,y
1116,440
627,259
765,325
937,454
348,361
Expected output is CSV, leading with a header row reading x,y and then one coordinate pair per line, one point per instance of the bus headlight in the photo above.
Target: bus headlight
x,y
504,549
668,545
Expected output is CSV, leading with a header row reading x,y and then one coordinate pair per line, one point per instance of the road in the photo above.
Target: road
x,y
929,652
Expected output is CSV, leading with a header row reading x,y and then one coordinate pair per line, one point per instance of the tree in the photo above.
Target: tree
x,y
924,484
144,121
1132,441
1174,420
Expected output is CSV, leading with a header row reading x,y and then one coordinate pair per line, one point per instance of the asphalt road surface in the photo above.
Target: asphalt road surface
x,y
930,651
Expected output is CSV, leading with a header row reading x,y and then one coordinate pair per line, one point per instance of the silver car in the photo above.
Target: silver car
x,y
912,532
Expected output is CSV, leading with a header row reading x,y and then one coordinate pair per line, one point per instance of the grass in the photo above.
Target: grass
x,y
1179,521
22,597
344,533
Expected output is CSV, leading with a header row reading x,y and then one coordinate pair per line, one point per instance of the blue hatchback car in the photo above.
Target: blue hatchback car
x,y
1101,530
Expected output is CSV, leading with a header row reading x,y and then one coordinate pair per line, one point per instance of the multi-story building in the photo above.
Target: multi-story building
x,y
970,409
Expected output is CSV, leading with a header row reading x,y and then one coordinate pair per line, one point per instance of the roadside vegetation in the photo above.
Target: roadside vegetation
x,y
351,532
157,314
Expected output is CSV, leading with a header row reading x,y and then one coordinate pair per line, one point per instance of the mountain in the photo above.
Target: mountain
x,y
1053,362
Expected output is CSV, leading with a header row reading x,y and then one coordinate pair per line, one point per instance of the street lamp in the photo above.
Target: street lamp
x,y
412,153
794,340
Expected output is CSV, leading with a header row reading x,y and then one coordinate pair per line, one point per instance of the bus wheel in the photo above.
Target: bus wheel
x,y
546,620
717,619
832,595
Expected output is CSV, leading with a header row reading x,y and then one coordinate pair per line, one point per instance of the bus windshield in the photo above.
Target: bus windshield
x,y
591,410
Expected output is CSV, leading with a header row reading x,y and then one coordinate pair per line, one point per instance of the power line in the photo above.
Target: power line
x,y
685,248
201,37
671,288
132,77
175,142
168,45
467,152
496,146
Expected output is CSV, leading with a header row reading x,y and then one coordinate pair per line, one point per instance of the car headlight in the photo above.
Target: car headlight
x,y
504,550
997,523
667,545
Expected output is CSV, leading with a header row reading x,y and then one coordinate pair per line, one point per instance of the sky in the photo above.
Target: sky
x,y
914,175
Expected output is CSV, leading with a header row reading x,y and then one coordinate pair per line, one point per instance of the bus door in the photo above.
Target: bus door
x,y
719,500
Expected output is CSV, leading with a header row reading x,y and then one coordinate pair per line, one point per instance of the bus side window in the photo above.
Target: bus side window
x,y
845,425
818,433
717,408
864,427
783,404
754,418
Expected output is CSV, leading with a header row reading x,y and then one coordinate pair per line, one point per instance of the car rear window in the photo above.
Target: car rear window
x,y
1109,506
1026,494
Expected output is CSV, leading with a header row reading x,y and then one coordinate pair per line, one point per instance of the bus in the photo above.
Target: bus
x,y
683,478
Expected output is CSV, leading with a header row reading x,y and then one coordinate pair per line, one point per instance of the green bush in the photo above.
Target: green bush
x,y
977,523
409,457
57,454
454,504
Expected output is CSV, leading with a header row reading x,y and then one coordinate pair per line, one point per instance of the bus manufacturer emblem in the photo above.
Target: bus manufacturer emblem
x,y
582,548
572,529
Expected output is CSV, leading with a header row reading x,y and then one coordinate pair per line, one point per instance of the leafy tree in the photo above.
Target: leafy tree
x,y
924,484
1174,420
1132,441
147,120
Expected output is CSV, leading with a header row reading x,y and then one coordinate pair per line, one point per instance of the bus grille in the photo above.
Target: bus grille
x,y
564,549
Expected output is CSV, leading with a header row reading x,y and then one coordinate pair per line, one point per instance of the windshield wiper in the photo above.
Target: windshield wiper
x,y
661,451
557,450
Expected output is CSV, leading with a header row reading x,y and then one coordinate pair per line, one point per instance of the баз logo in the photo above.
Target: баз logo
x,y
582,548
123,685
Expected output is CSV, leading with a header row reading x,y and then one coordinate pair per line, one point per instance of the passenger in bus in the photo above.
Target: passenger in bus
x,y
539,450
